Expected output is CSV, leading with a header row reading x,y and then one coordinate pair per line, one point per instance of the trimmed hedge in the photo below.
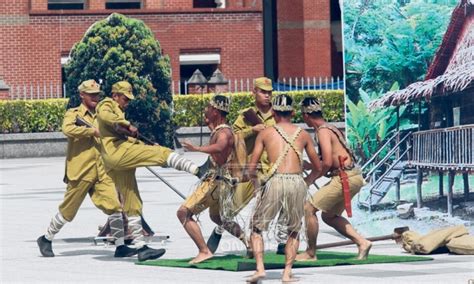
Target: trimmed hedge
x,y
47,115
22,116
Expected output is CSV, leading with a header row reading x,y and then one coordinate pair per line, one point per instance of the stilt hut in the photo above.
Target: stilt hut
x,y
446,146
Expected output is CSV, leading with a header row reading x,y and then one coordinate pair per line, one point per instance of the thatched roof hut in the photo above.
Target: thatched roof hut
x,y
452,69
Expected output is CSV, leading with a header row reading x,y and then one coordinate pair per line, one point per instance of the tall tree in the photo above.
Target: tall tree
x,y
121,48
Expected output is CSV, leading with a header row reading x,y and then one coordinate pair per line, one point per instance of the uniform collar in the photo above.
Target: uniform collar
x,y
84,111
265,116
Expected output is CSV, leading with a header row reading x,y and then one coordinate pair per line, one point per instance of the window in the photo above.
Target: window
x,y
208,3
207,63
123,4
66,4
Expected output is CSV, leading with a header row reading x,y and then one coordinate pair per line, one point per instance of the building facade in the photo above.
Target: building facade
x,y
303,36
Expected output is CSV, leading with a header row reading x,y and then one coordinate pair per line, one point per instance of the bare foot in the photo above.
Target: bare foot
x,y
256,277
201,257
305,256
364,250
289,279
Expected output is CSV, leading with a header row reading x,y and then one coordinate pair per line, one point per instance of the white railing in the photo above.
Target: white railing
x,y
36,91
54,90
282,84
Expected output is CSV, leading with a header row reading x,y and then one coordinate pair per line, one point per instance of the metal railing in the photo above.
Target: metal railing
x,y
283,84
447,148
37,91
29,91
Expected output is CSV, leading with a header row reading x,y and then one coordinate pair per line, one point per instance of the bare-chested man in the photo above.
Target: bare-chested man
x,y
285,189
330,199
216,186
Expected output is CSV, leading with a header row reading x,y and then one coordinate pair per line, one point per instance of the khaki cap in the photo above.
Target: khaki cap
x,y
263,83
123,87
89,87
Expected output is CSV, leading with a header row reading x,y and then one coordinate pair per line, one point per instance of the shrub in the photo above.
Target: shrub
x,y
121,48
187,108
32,116
46,115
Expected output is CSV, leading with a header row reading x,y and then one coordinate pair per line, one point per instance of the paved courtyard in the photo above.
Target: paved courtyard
x,y
31,190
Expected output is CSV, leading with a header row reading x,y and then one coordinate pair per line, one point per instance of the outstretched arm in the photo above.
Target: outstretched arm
x,y
220,145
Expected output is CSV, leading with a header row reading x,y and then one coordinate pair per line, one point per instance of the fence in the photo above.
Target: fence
x,y
55,90
281,85
37,91
447,148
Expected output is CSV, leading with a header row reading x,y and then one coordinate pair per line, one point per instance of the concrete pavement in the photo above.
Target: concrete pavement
x,y
31,190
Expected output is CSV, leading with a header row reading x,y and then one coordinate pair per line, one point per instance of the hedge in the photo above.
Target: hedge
x,y
46,115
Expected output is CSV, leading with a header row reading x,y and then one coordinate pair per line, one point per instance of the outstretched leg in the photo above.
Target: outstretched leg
x,y
345,228
312,229
45,242
192,228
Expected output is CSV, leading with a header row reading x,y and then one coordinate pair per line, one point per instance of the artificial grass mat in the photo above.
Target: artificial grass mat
x,y
273,261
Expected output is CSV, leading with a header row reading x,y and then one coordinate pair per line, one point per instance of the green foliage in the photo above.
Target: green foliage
x,y
19,116
120,48
368,128
47,115
391,42
187,109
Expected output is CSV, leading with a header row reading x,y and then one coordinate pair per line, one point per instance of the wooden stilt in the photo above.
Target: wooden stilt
x,y
419,181
441,175
397,192
465,179
451,175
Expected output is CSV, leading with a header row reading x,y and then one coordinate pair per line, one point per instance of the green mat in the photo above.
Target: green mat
x,y
274,261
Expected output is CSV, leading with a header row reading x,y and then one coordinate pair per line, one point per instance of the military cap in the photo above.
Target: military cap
x,y
123,87
89,87
263,83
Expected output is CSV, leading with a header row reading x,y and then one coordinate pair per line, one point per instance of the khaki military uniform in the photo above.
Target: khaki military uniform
x,y
122,155
244,191
85,171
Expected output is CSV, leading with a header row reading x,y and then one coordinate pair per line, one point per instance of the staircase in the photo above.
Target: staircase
x,y
386,173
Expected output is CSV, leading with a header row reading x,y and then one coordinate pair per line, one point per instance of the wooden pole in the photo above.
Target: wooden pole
x,y
451,175
397,192
441,175
419,181
465,178
398,131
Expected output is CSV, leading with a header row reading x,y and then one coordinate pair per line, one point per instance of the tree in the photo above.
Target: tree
x,y
121,48
387,42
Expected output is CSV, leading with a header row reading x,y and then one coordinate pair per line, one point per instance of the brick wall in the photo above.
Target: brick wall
x,y
33,49
33,40
304,38
4,94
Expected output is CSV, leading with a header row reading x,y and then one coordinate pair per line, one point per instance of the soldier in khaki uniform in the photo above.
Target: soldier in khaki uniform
x,y
85,174
122,154
330,199
250,122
